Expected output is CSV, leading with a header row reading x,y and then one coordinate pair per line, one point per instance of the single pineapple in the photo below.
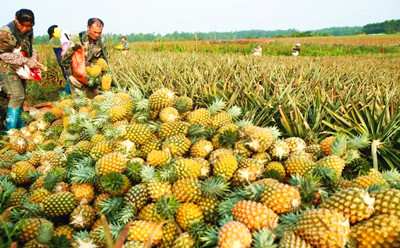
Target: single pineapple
x,y
137,196
279,150
326,145
333,162
188,213
323,228
157,158
353,203
260,139
295,144
83,192
19,172
183,103
225,166
184,241
201,149
234,234
187,190
275,170
169,129
82,217
254,215
297,164
142,231
387,201
112,162
374,177
138,133
187,168
169,114
281,198
200,116
59,204
290,240
177,145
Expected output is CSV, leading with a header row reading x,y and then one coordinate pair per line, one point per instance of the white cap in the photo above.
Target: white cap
x,y
298,44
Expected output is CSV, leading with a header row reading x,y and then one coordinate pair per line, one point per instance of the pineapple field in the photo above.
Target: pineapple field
x,y
209,150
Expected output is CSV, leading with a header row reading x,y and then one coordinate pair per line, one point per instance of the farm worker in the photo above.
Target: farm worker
x,y
17,35
257,51
296,50
124,43
94,49
59,40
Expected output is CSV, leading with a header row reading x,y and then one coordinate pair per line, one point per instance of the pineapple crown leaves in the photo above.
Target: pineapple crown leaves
x,y
34,175
101,119
215,187
76,158
167,173
244,123
235,112
339,145
359,142
324,174
197,229
167,207
81,235
111,205
307,186
136,94
357,167
49,117
59,241
113,133
133,171
250,192
275,132
54,176
197,131
216,106
44,234
225,219
287,221
263,238
28,210
89,127
375,187
351,155
113,181
27,117
126,214
8,189
210,237
392,177
82,173
147,173
228,138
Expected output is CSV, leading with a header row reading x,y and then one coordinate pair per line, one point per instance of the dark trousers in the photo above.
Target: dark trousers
x,y
58,51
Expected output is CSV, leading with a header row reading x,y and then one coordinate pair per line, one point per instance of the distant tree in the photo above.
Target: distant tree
x,y
387,27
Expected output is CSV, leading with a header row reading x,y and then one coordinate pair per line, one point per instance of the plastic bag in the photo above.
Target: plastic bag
x,y
78,65
24,72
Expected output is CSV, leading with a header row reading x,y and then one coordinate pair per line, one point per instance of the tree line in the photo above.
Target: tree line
x,y
389,27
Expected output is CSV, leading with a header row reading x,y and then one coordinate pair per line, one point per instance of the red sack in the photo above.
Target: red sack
x,y
78,65
25,72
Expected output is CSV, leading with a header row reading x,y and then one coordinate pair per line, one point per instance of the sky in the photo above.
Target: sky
x,y
167,16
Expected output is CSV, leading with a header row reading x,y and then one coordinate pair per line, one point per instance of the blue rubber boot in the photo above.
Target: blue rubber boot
x,y
21,122
67,89
13,114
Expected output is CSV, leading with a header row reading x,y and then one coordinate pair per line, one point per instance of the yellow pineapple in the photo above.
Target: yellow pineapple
x,y
157,158
200,116
298,164
281,198
112,162
169,129
140,230
19,172
187,168
188,213
225,165
260,140
169,114
84,192
201,149
295,144
177,145
326,145
254,215
387,201
187,190
161,98
234,234
138,133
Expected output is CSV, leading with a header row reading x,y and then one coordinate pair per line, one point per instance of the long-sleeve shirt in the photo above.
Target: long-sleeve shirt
x,y
62,42
93,51
9,60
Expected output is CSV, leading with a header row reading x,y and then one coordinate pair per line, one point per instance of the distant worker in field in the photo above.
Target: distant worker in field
x,y
95,55
296,50
257,52
59,40
124,43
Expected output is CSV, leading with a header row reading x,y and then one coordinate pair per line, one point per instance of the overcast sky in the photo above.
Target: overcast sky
x,y
167,16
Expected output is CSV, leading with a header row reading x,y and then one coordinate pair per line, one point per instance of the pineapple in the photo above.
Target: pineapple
x,y
281,198
177,145
156,188
66,230
200,116
82,217
379,231
84,193
209,207
170,233
137,196
187,190
254,215
323,228
152,144
298,164
290,240
30,228
169,129
59,204
169,114
188,213
275,170
387,201
158,158
334,162
17,197
149,213
161,98
38,195
187,168
279,150
101,149
295,144
143,230
184,241
19,172
234,234
112,162
201,149
260,139
117,113
138,133
183,104
225,166
353,203
374,177
326,145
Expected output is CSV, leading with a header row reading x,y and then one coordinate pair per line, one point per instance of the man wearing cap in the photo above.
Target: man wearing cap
x,y
59,40
296,50
125,44
94,48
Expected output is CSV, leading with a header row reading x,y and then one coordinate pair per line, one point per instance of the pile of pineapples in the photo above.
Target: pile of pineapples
x,y
165,173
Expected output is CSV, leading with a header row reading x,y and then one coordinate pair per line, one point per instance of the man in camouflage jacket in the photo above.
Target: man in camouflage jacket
x,y
15,38
94,48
